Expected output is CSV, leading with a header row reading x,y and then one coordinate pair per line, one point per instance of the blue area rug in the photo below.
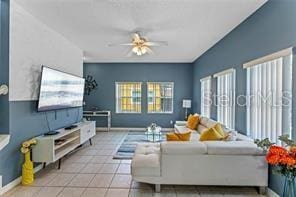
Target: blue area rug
x,y
128,146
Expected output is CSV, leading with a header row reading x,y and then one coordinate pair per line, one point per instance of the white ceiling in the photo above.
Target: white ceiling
x,y
191,27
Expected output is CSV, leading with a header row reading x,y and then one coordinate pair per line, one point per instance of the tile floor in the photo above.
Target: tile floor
x,y
92,172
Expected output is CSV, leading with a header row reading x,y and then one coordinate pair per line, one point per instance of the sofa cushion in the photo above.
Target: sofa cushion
x,y
181,148
232,148
193,121
211,134
146,160
201,128
182,129
206,122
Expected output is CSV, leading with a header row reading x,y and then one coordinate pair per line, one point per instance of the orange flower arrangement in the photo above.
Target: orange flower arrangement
x,y
281,156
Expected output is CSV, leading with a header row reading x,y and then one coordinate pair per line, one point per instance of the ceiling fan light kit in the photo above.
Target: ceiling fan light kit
x,y
141,45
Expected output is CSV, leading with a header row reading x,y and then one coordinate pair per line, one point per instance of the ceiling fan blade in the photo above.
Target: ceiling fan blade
x,y
130,53
149,51
157,43
136,37
121,44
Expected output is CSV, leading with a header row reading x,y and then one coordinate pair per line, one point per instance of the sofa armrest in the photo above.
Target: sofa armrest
x,y
183,148
181,123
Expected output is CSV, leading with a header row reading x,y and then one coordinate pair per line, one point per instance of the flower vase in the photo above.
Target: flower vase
x,y
28,171
289,187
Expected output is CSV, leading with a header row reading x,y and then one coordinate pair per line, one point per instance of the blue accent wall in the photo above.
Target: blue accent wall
x,y
4,64
268,30
106,74
25,123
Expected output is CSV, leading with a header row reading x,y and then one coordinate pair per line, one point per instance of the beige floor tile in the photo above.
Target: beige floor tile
x,y
111,160
72,167
121,181
109,168
92,168
117,193
80,158
105,152
42,179
88,152
81,180
101,180
99,159
94,192
124,169
61,180
49,192
23,191
126,161
71,192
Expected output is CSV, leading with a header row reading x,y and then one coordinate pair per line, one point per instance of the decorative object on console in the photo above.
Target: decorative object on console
x,y
186,105
27,169
284,161
3,89
153,133
90,84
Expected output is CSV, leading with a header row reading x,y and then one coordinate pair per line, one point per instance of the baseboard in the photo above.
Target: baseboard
x,y
271,193
129,129
17,181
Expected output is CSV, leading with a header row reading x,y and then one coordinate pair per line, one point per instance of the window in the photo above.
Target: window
x,y
128,97
269,96
206,100
225,98
160,97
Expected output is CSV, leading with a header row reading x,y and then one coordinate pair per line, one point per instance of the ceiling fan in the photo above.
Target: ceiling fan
x,y
141,45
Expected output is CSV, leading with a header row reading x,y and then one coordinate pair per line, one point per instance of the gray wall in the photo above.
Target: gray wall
x,y
4,64
107,74
270,29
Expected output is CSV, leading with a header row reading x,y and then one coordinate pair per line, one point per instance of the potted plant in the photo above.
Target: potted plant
x,y
283,159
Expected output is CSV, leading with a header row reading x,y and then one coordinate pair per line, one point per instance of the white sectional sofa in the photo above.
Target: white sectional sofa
x,y
225,163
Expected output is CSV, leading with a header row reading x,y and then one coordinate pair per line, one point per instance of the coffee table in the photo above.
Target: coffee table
x,y
153,135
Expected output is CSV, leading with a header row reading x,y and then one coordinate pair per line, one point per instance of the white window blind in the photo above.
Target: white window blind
x,y
269,93
206,100
160,97
225,98
128,97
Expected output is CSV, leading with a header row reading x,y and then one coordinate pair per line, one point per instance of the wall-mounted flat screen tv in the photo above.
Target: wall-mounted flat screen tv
x,y
59,90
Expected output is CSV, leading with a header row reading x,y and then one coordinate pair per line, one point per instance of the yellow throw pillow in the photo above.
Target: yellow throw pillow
x,y
178,136
172,137
210,134
193,121
219,128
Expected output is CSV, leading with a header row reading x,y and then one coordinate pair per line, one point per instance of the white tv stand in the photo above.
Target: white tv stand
x,y
47,150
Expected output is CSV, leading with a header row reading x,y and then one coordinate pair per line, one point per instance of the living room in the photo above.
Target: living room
x,y
147,68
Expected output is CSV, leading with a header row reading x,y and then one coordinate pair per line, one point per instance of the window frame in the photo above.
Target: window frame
x,y
173,92
254,64
202,96
116,97
217,75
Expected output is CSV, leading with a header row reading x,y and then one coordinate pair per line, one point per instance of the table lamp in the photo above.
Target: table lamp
x,y
186,105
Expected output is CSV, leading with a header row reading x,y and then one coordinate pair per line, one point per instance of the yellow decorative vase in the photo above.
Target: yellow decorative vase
x,y
28,170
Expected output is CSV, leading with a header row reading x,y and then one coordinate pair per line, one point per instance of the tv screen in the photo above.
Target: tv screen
x,y
59,90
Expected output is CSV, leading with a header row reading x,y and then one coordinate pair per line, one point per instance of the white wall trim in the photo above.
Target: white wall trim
x,y
271,193
17,181
129,129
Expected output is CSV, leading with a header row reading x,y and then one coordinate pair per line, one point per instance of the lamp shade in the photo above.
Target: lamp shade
x,y
186,103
